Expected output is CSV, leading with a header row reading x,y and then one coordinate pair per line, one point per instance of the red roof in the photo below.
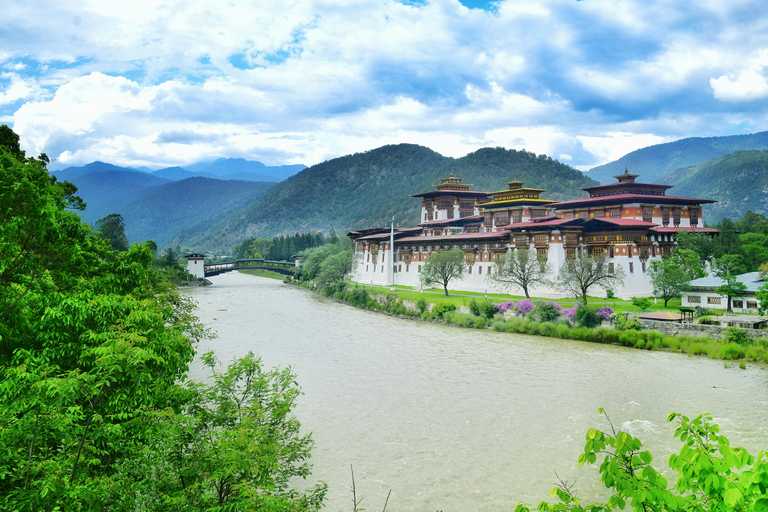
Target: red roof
x,y
620,199
455,238
385,235
675,230
622,222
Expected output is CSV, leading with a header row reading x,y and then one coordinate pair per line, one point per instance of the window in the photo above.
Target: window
x,y
631,267
569,215
738,303
694,299
470,269
570,253
677,217
610,268
418,269
694,218
502,218
713,300
541,254
584,215
600,214
751,304
480,269
538,213
665,217
615,214
648,214
517,216
487,219
643,264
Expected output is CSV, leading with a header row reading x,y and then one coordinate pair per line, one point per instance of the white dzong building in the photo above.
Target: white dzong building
x,y
630,223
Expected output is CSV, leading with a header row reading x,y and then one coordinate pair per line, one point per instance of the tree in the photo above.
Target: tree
x,y
729,264
671,275
112,228
762,299
521,268
443,267
732,288
10,141
700,243
578,275
712,475
170,259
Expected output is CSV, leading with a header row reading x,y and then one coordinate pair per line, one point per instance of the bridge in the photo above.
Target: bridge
x,y
197,267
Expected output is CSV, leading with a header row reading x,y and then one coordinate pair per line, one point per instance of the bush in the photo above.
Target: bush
x,y
421,305
499,325
622,322
587,317
502,307
732,351
441,308
609,294
548,311
705,320
641,302
474,307
480,322
605,313
524,307
488,309
736,335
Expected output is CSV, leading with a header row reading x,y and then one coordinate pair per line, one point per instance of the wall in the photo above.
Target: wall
x,y
713,331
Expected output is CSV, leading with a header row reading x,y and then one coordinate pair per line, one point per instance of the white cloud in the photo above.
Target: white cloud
x,y
747,84
17,88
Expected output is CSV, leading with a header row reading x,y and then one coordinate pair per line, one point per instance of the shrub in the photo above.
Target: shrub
x,y
524,307
609,294
570,313
622,322
732,351
441,308
480,322
474,307
488,309
641,302
705,320
548,329
605,313
587,317
499,325
421,305
503,307
736,335
548,311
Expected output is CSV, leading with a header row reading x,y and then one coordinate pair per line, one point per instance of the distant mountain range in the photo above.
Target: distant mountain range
x,y
369,189
223,169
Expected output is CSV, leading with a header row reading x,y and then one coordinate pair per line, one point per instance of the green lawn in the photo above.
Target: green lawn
x,y
462,298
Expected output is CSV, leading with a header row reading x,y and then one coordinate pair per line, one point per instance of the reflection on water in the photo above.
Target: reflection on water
x,y
459,419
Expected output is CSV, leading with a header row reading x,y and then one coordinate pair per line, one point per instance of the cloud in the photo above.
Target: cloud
x,y
165,83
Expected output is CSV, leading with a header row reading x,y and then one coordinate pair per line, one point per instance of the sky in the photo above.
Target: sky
x,y
164,83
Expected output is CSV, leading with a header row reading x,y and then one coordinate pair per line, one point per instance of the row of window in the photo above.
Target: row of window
x,y
737,303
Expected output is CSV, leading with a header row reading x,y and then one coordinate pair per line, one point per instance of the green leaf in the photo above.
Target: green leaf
x,y
732,496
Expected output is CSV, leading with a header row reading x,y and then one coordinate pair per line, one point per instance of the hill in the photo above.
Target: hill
x,y
653,162
368,189
225,167
173,207
70,173
738,181
108,192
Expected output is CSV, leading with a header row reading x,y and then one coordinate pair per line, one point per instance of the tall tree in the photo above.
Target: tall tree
x,y
443,267
112,228
522,269
578,275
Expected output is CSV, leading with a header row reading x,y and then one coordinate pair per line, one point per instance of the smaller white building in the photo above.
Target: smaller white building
x,y
703,294
196,265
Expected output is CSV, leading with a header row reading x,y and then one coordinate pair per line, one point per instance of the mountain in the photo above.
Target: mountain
x,y
173,173
238,166
179,205
738,181
368,189
109,191
653,162
70,173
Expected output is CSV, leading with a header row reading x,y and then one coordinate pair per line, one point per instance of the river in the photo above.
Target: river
x,y
460,419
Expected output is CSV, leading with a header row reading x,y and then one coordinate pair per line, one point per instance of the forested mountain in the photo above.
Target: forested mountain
x,y
173,207
738,181
653,162
369,189
70,173
238,166
110,191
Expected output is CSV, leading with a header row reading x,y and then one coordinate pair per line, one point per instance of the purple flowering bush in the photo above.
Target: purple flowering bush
x,y
503,307
570,313
605,313
524,307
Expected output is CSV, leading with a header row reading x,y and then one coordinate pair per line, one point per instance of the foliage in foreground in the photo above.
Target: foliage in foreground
x,y
711,475
93,347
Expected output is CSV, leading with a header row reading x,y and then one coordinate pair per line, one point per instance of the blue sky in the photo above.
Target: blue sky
x,y
172,83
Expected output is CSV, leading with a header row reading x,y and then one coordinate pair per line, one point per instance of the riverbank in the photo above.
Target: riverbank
x,y
733,347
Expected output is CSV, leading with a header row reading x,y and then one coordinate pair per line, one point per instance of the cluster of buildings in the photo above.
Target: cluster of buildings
x,y
629,222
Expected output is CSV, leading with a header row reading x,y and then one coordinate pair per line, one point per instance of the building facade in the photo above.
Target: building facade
x,y
630,223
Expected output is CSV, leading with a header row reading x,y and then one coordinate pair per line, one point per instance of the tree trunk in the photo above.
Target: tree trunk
x,y
445,287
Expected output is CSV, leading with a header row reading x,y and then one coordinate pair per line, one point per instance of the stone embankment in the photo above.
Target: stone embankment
x,y
713,331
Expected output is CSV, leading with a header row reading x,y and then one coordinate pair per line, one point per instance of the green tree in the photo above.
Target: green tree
x,y
755,249
112,228
700,243
670,276
729,264
643,303
712,475
762,299
731,288
443,267
522,269
578,275
11,142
